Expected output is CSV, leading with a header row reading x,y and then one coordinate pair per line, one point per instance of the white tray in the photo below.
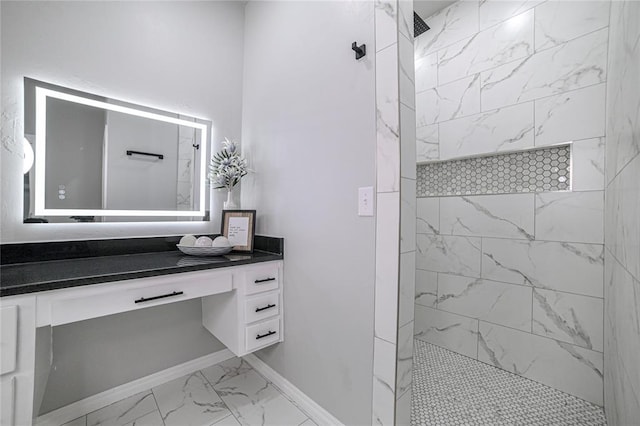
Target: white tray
x,y
204,251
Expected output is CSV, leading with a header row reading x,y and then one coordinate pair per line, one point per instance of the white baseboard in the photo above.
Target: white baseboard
x,y
102,399
318,414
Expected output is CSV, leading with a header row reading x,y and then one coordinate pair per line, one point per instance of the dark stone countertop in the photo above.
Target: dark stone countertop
x,y
35,276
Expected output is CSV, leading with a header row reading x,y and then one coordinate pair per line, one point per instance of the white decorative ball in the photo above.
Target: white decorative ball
x,y
203,242
221,242
188,240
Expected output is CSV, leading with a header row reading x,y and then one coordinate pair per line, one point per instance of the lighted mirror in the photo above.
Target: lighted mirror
x,y
99,159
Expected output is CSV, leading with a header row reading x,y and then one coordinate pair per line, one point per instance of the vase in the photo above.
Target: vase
x,y
230,204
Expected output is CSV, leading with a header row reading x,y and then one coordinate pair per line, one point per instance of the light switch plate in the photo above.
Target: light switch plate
x,y
365,201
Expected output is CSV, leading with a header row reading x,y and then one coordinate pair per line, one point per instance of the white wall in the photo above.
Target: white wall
x,y
183,57
622,218
309,127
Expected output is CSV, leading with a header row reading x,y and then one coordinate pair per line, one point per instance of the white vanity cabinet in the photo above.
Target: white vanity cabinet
x,y
256,310
17,354
242,307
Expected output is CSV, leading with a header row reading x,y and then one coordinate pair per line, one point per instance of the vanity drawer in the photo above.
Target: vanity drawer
x,y
137,294
262,306
262,334
261,279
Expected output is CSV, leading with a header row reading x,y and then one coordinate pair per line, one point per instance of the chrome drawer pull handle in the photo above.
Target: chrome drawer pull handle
x,y
265,335
264,280
148,299
269,306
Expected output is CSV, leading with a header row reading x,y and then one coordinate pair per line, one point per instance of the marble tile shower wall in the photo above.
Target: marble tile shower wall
x,y
396,205
515,280
622,218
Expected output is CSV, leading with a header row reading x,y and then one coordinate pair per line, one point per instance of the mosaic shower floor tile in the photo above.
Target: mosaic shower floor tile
x,y
452,389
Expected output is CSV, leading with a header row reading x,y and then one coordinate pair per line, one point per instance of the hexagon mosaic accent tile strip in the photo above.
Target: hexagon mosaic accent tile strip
x,y
537,170
452,389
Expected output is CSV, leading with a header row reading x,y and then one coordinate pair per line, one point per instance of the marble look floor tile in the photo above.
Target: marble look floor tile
x,y
561,21
451,390
448,26
578,63
225,370
80,421
427,143
228,421
152,419
456,99
570,116
500,303
189,400
504,129
254,401
508,41
566,367
451,331
493,12
570,216
426,288
426,72
587,157
124,411
573,268
428,215
449,253
568,317
507,216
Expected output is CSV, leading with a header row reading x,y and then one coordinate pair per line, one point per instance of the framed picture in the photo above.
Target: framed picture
x,y
239,227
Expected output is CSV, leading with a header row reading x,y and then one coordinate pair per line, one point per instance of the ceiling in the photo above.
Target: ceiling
x,y
426,8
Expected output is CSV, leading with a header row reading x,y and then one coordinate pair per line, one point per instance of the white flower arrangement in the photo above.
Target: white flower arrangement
x,y
227,167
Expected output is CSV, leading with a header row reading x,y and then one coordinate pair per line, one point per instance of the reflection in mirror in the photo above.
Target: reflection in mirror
x,y
98,159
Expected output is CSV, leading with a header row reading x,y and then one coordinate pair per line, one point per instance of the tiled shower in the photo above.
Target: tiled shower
x,y
514,108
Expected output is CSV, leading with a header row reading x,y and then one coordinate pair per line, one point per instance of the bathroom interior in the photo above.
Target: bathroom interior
x,y
456,183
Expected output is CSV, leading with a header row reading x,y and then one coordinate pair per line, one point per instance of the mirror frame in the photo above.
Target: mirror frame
x,y
46,90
